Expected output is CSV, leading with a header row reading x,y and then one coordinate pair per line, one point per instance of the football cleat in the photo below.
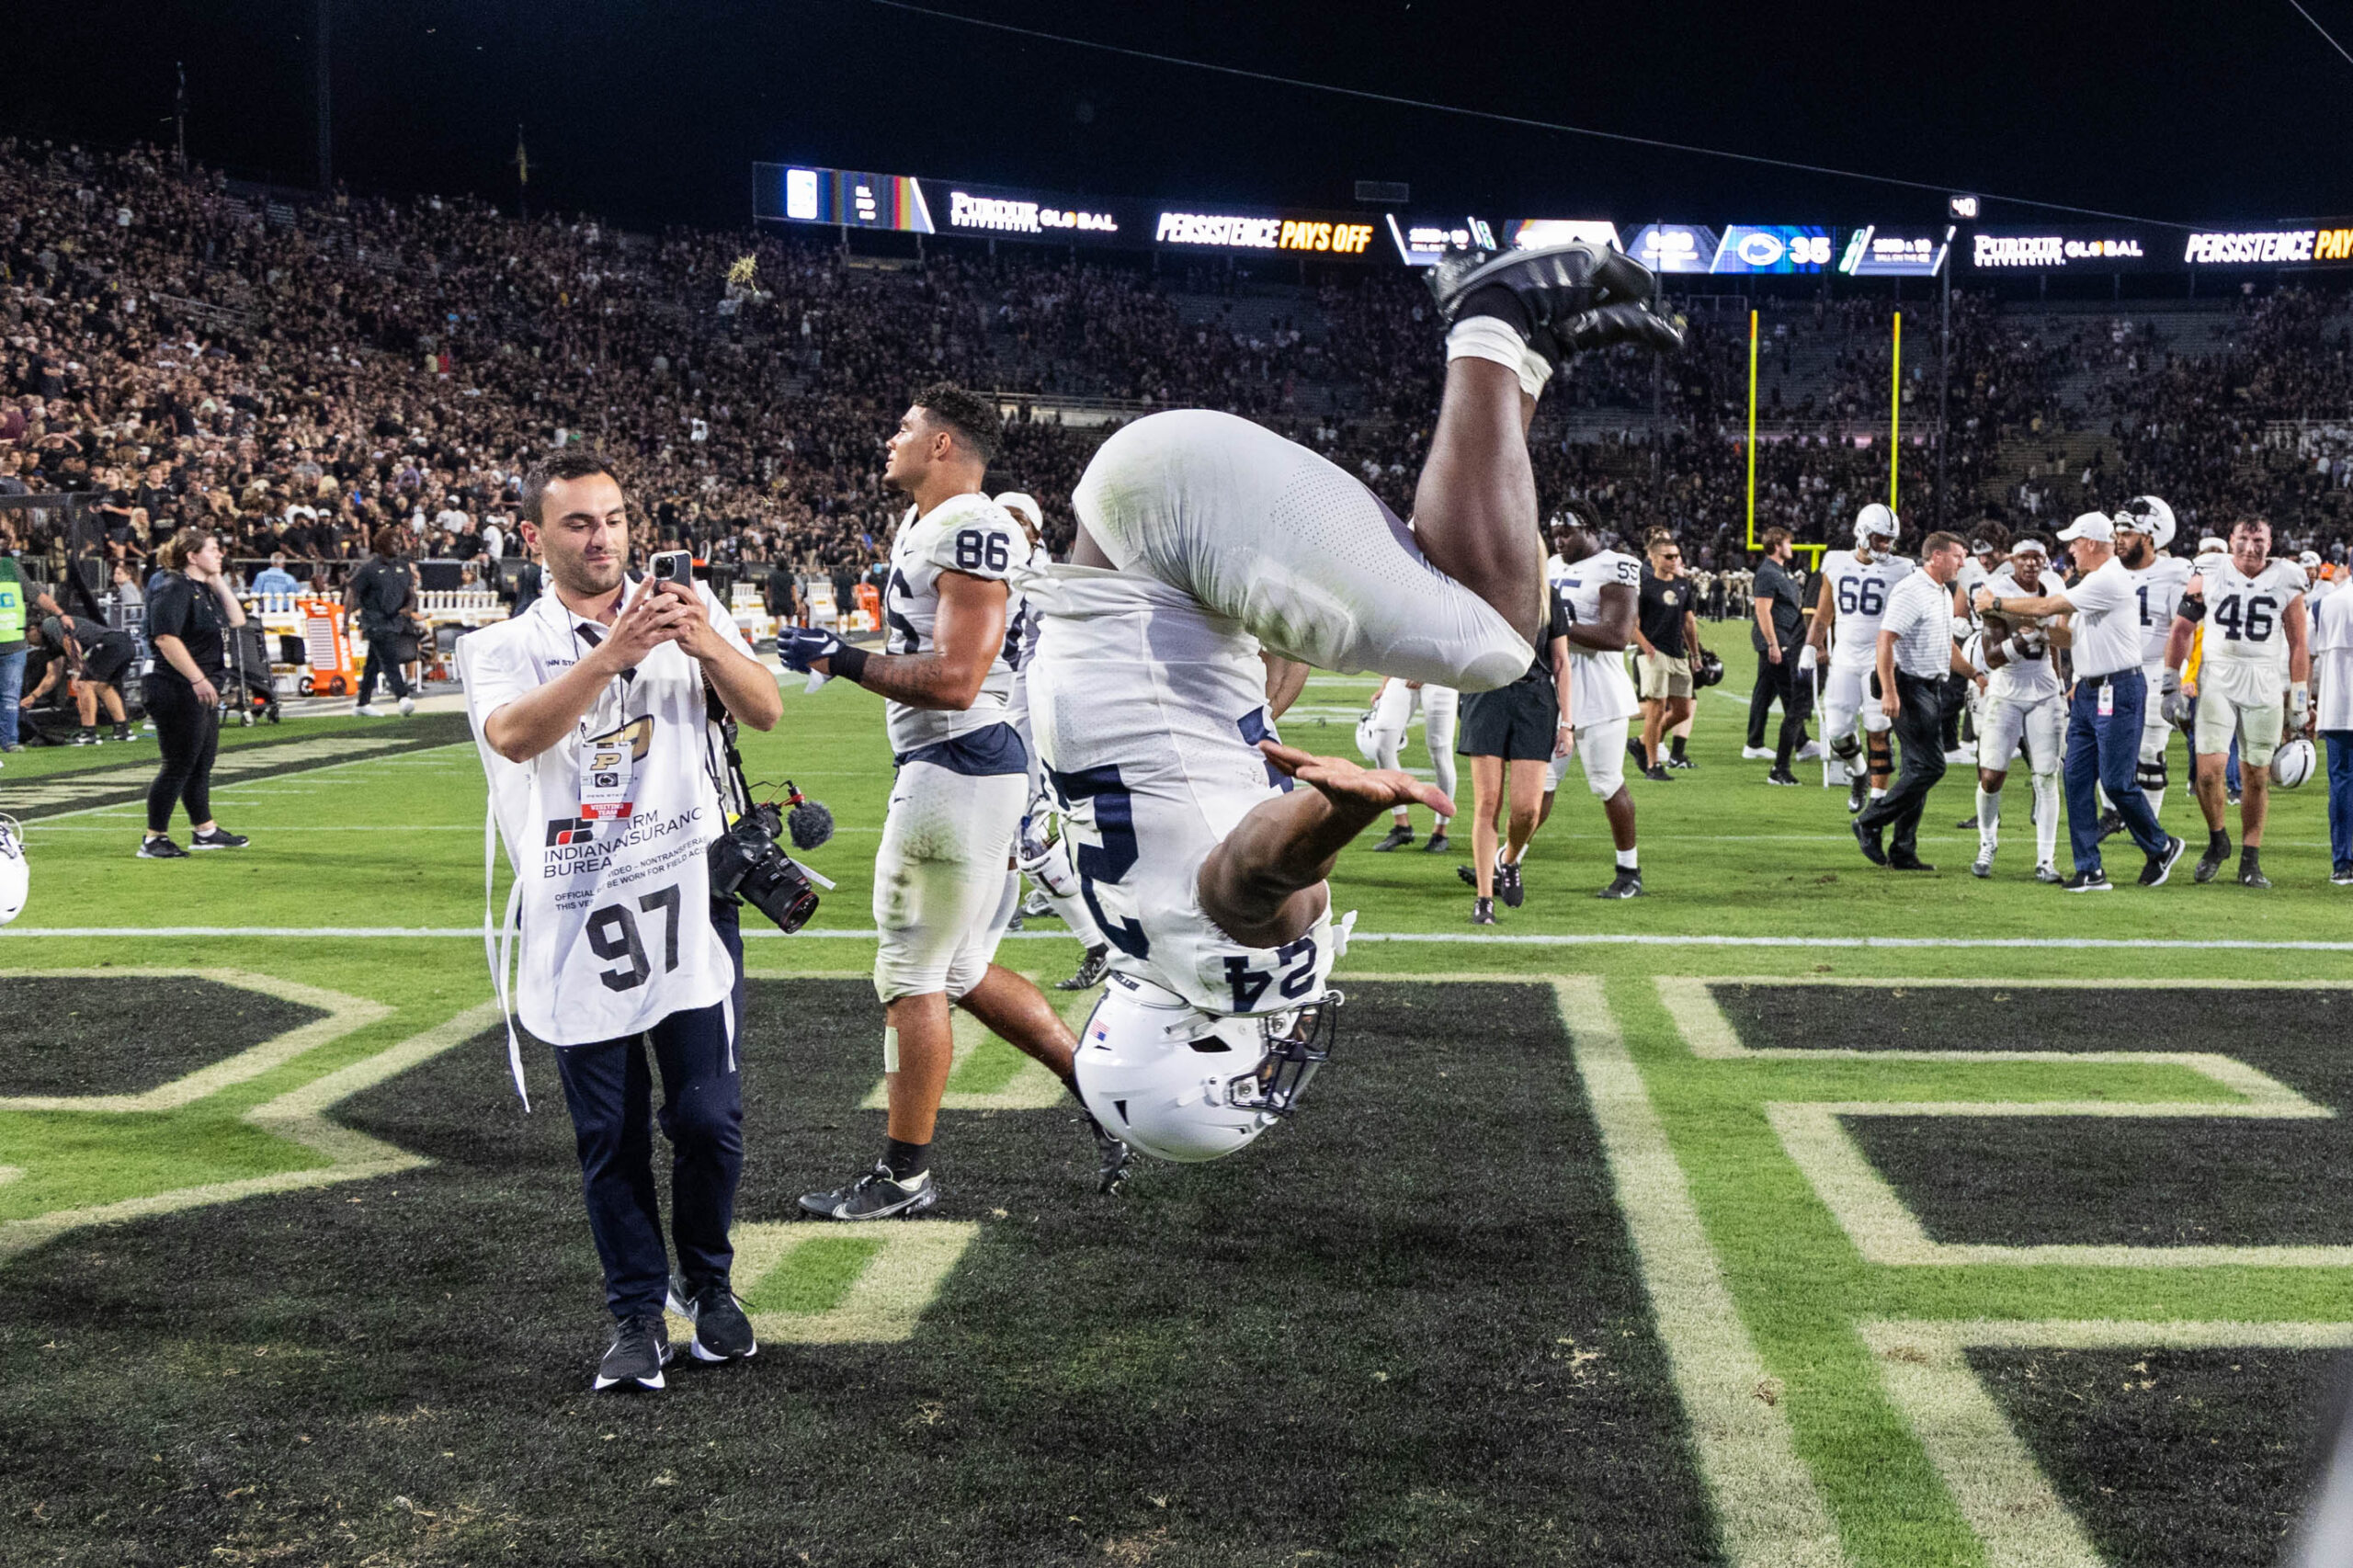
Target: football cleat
x,y
1400,837
641,1349
2251,873
1436,844
1858,794
1781,777
1909,863
1113,1159
1869,838
2111,823
721,1330
2160,865
1507,886
2047,872
1562,287
1037,904
1625,884
1090,972
1470,878
1681,764
1483,912
877,1195
1983,865
2218,849
1657,774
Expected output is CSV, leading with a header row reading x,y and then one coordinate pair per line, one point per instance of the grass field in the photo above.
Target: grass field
x,y
1796,1213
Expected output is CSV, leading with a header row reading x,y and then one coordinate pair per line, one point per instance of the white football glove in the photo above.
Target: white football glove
x,y
1807,659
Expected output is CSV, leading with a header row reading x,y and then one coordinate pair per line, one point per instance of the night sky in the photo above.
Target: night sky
x,y
651,112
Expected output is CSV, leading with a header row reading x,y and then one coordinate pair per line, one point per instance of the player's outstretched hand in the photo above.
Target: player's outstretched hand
x,y
1344,782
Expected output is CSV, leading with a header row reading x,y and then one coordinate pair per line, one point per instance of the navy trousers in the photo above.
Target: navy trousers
x,y
611,1093
2340,798
2104,753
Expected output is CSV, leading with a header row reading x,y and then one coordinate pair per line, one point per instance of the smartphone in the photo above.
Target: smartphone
x,y
672,566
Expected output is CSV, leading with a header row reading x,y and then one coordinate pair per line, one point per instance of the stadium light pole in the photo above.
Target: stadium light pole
x,y
1944,384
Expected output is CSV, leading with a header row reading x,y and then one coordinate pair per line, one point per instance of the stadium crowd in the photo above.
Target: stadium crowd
x,y
300,378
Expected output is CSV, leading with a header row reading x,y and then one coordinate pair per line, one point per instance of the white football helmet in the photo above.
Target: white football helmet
x,y
15,873
2293,764
1165,1077
2147,515
1876,522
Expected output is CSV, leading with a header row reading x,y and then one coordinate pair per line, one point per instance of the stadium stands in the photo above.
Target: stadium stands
x,y
297,374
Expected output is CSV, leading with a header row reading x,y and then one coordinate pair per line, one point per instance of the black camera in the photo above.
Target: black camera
x,y
747,861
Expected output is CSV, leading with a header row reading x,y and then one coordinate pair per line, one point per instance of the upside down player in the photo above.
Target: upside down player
x,y
1214,561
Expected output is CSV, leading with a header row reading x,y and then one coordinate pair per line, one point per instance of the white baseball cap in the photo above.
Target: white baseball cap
x,y
2092,525
1023,503
2309,559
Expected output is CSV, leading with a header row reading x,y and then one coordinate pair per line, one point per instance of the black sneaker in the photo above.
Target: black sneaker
x,y
1908,863
877,1195
2232,799
1436,844
159,849
1782,776
1507,884
2341,874
1113,1159
1966,825
2251,872
2094,881
1681,764
1858,794
2160,866
1399,838
1869,838
1483,912
1658,775
1625,884
641,1349
1470,877
2111,823
218,838
721,1330
122,733
2218,849
1090,972
86,737
1556,285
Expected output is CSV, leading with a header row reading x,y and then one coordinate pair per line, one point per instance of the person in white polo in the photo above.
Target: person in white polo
x,y
2104,716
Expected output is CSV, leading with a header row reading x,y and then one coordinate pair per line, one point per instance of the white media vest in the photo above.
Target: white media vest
x,y
614,891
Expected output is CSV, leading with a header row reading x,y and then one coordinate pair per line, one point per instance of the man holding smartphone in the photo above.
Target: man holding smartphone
x,y
590,713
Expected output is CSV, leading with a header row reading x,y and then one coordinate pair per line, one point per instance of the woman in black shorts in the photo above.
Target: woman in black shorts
x,y
1511,735
190,608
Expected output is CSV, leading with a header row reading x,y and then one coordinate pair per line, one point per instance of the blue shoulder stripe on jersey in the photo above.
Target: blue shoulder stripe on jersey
x,y
980,755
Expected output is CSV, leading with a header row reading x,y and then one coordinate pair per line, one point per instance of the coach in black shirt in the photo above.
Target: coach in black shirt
x,y
1779,604
189,610
379,597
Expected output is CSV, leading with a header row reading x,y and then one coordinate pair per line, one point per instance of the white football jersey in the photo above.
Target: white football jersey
x,y
2026,680
2246,635
2159,585
1599,691
970,534
1147,710
1859,595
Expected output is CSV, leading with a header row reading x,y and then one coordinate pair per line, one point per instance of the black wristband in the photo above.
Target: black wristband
x,y
849,663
